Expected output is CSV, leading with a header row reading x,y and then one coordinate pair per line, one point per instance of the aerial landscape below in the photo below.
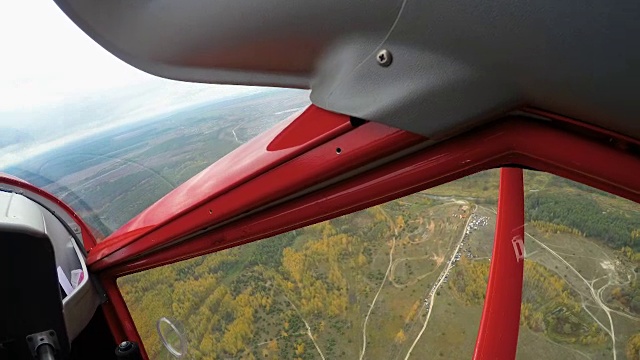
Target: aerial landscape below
x,y
402,280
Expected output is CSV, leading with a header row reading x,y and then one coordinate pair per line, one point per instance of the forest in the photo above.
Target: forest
x,y
613,227
260,293
305,293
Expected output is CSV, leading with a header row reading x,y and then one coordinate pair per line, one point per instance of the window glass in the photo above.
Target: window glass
x,y
110,171
581,295
395,281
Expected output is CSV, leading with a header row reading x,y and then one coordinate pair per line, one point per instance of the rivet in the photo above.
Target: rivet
x,y
384,57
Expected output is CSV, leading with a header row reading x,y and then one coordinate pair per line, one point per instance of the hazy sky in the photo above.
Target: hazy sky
x,y
56,84
47,59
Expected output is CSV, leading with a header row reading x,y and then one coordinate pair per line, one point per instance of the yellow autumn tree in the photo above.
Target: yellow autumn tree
x,y
400,337
293,262
272,346
412,312
633,347
300,349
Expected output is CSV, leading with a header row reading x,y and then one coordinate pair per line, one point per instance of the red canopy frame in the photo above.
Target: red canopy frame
x,y
500,322
277,183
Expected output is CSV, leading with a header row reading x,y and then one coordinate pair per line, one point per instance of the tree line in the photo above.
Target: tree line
x,y
584,214
250,301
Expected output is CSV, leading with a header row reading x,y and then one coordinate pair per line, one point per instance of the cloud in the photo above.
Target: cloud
x,y
57,85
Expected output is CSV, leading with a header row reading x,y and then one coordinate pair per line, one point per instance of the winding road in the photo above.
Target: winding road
x,y
308,327
595,294
386,275
397,262
433,292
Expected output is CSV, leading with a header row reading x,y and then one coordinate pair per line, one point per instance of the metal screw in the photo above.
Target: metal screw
x,y
125,345
384,58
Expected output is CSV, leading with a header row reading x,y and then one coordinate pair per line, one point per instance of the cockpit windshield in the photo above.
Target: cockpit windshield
x,y
110,176
105,138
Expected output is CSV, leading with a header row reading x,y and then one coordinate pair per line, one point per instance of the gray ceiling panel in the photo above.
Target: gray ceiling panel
x,y
455,62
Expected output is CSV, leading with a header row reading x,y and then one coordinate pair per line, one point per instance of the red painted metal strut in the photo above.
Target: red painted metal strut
x,y
498,334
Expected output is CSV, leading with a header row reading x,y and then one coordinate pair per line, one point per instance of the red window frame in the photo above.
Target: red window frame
x,y
274,189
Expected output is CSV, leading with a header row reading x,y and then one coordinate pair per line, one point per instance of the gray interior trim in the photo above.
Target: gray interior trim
x,y
455,63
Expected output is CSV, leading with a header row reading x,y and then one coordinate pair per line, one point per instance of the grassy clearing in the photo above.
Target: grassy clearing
x,y
532,345
452,330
